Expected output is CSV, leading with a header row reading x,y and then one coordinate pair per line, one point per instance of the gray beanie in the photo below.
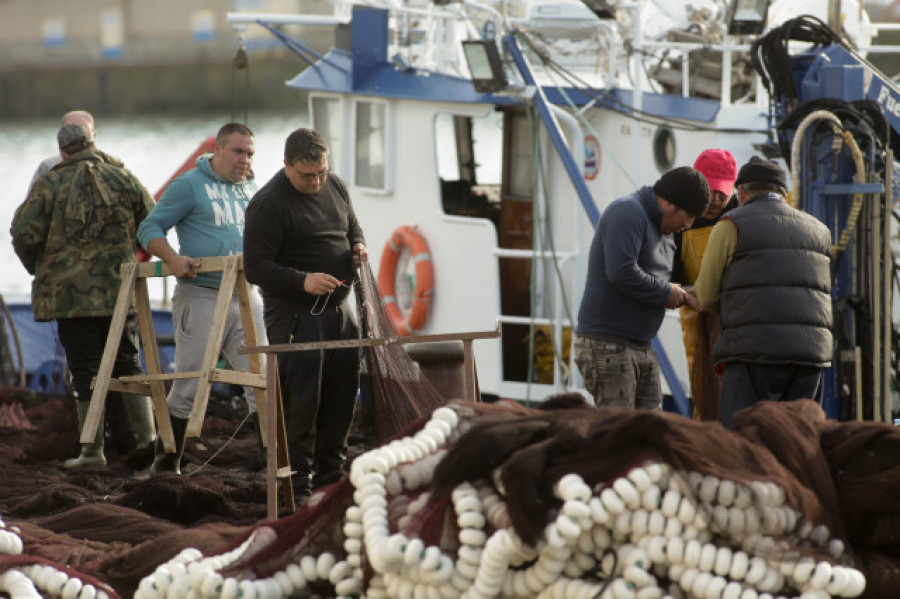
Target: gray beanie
x,y
760,170
686,187
73,138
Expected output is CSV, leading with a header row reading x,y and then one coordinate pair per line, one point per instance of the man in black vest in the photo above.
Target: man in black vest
x,y
767,273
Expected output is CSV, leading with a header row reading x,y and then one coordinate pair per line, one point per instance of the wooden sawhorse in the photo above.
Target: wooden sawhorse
x,y
277,460
134,287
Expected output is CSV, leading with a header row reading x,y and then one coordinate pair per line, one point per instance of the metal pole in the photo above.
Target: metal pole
x,y
553,130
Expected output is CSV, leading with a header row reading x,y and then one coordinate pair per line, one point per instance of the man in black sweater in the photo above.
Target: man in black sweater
x,y
302,243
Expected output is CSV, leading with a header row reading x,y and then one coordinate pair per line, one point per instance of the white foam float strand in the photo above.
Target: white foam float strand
x,y
53,582
713,538
31,581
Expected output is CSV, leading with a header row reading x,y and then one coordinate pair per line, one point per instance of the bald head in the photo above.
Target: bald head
x,y
80,117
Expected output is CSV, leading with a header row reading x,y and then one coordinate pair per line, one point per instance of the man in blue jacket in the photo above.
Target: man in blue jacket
x,y
627,290
206,207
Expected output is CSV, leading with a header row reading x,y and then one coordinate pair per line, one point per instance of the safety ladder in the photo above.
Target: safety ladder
x,y
133,289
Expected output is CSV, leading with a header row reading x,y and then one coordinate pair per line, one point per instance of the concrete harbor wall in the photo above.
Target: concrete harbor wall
x,y
187,87
128,57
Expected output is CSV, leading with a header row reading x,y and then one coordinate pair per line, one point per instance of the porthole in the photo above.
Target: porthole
x,y
664,149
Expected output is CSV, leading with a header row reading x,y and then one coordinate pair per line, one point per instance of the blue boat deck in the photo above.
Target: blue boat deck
x,y
42,354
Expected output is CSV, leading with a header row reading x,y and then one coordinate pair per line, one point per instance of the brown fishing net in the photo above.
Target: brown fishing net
x,y
116,524
520,455
706,383
141,535
394,392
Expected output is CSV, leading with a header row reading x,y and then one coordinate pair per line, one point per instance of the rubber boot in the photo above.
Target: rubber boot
x,y
91,453
140,414
170,462
262,457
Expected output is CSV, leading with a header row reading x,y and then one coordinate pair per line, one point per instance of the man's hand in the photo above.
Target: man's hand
x,y
677,296
181,266
320,283
692,301
360,254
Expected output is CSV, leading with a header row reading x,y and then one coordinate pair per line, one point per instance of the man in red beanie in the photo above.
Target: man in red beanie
x,y
701,329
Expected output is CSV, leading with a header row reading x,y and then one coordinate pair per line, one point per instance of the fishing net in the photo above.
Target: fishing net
x,y
501,500
476,499
108,524
395,393
107,528
706,383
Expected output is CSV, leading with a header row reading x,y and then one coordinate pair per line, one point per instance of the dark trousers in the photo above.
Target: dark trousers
x,y
744,384
84,339
319,390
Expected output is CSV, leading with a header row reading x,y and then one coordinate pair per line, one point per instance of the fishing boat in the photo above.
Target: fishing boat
x,y
479,189
482,141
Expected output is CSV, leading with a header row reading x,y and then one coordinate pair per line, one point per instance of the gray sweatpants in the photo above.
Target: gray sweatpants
x,y
192,315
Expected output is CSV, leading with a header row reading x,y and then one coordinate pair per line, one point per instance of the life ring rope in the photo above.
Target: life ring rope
x,y
409,238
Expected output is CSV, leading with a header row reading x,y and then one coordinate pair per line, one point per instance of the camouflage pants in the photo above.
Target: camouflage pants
x,y
619,375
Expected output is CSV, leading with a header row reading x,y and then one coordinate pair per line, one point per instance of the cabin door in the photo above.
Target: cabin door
x,y
516,232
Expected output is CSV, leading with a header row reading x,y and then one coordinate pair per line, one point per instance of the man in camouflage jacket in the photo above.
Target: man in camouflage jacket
x,y
73,232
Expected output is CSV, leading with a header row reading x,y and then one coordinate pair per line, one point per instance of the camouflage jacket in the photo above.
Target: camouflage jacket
x,y
73,232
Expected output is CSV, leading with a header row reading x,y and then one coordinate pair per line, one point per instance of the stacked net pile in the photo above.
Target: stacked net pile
x,y
490,500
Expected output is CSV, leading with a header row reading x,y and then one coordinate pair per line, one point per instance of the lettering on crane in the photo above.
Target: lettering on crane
x,y
888,101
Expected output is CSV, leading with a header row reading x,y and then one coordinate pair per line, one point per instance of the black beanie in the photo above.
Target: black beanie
x,y
685,187
758,170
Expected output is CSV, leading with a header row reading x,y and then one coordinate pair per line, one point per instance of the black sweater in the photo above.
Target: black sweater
x,y
289,234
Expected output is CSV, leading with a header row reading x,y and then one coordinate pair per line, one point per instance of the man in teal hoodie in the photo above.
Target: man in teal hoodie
x,y
206,207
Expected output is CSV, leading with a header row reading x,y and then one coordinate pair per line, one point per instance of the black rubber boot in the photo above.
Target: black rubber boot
x,y
325,477
170,462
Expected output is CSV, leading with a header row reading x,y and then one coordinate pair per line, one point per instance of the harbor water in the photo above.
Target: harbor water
x,y
152,147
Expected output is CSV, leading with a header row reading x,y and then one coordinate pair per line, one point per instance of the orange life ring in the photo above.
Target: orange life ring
x,y
409,238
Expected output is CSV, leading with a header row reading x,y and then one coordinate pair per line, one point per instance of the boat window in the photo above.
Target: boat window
x,y
468,153
326,119
371,144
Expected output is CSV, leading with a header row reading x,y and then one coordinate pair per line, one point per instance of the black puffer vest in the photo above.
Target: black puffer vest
x,y
776,292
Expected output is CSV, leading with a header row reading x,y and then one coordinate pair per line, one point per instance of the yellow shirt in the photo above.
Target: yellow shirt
x,y
693,246
718,255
